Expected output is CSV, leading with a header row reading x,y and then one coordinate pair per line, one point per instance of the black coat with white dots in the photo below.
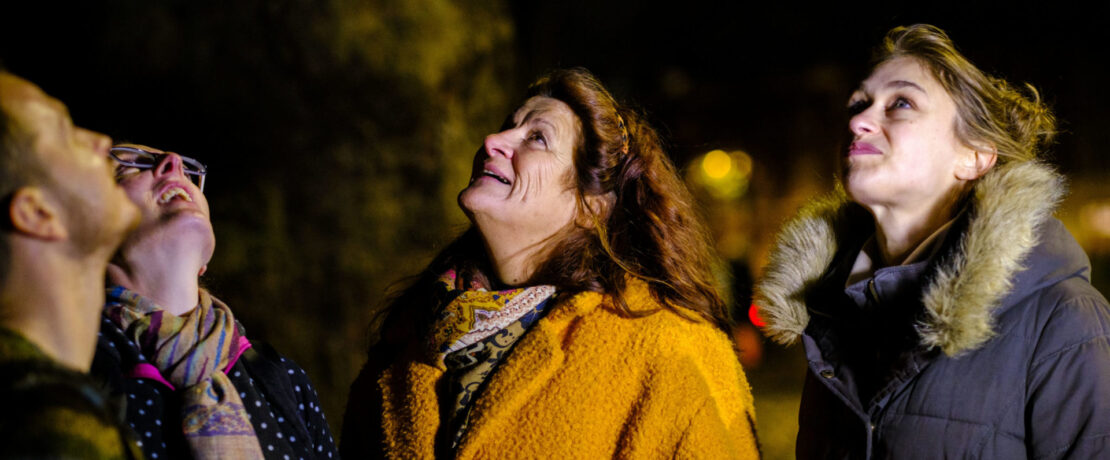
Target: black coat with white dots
x,y
280,401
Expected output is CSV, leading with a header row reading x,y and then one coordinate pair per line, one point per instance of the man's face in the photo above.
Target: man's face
x,y
79,174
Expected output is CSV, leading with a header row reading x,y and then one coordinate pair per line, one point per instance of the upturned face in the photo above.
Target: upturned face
x,y
904,149
172,207
94,210
523,177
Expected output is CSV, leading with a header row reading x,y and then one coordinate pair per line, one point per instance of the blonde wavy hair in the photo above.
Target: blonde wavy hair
x,y
990,111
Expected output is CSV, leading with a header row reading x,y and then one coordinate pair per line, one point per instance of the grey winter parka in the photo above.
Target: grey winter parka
x,y
997,347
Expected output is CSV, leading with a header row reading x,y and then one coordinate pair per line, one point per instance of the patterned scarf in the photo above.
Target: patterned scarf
x,y
193,351
471,334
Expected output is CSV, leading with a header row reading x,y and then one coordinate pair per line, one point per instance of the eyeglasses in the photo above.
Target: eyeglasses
x,y
141,159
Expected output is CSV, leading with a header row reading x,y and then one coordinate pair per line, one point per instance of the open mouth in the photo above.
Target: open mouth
x,y
486,172
174,193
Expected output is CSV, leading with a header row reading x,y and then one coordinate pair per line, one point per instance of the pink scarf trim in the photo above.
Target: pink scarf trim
x,y
148,371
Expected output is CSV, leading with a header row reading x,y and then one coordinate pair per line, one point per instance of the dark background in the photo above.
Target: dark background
x,y
338,132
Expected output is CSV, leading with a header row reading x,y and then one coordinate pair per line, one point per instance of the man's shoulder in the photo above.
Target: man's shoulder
x,y
53,412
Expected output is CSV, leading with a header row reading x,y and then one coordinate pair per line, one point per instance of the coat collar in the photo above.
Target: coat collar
x,y
963,292
411,413
533,362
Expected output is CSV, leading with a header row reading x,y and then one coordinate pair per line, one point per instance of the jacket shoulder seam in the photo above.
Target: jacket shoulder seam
x,y
1067,305
1052,355
1070,445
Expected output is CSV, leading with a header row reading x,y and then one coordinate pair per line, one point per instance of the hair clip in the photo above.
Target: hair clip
x,y
624,135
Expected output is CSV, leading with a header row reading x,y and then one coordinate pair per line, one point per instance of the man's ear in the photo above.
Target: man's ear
x,y
976,162
33,215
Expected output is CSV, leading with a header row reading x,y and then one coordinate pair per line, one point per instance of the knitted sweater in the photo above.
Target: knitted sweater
x,y
585,382
54,412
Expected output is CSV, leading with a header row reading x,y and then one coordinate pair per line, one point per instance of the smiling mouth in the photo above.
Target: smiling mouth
x,y
175,192
486,172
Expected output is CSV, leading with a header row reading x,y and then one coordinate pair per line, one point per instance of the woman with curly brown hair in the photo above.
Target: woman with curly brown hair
x,y
577,317
945,313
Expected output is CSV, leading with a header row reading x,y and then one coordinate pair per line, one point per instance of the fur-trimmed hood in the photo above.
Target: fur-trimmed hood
x,y
964,292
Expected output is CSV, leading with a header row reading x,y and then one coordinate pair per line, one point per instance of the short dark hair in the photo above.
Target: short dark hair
x,y
17,169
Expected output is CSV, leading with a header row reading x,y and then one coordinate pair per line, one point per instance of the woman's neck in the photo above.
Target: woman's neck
x,y
900,230
513,266
514,259
168,275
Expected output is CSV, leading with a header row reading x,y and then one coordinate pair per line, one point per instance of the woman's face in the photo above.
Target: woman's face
x,y
172,207
904,150
522,178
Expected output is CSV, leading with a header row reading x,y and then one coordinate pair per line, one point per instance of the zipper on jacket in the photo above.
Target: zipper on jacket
x,y
871,292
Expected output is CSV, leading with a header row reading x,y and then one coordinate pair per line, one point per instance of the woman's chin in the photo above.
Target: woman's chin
x,y
476,199
863,185
178,227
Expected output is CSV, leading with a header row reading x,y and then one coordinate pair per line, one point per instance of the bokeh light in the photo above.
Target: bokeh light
x,y
721,175
716,164
1096,218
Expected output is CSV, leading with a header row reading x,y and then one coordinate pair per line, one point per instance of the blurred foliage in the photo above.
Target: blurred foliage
x,y
394,98
337,135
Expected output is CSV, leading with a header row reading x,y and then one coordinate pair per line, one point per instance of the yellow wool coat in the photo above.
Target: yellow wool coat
x,y
584,382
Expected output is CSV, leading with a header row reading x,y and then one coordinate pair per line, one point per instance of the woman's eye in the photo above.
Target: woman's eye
x,y
857,106
536,136
122,172
901,103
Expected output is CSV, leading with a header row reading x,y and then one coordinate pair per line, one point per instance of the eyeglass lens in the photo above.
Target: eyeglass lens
x,y
146,160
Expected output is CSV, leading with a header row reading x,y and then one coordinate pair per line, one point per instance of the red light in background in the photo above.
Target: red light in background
x,y
753,314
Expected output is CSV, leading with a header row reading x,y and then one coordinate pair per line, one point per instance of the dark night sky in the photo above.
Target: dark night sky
x,y
755,71
711,73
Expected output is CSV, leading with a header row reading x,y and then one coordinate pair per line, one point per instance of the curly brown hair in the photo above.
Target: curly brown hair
x,y
647,227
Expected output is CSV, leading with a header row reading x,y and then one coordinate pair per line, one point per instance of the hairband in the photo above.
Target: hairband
x,y
624,135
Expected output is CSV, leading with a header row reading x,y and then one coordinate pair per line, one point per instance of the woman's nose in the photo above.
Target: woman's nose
x,y
862,123
497,144
169,164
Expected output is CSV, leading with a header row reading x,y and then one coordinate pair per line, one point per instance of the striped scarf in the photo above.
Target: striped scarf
x,y
193,352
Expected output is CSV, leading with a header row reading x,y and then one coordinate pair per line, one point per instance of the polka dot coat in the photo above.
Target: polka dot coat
x,y
280,401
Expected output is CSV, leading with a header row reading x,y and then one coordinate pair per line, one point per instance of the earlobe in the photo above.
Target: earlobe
x,y
597,208
976,163
32,215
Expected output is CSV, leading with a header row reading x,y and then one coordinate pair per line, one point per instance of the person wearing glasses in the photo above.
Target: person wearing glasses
x,y
193,385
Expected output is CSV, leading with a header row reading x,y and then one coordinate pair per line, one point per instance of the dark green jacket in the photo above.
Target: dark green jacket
x,y
52,412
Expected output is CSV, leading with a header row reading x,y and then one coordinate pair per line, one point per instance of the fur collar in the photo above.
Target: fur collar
x,y
1008,204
